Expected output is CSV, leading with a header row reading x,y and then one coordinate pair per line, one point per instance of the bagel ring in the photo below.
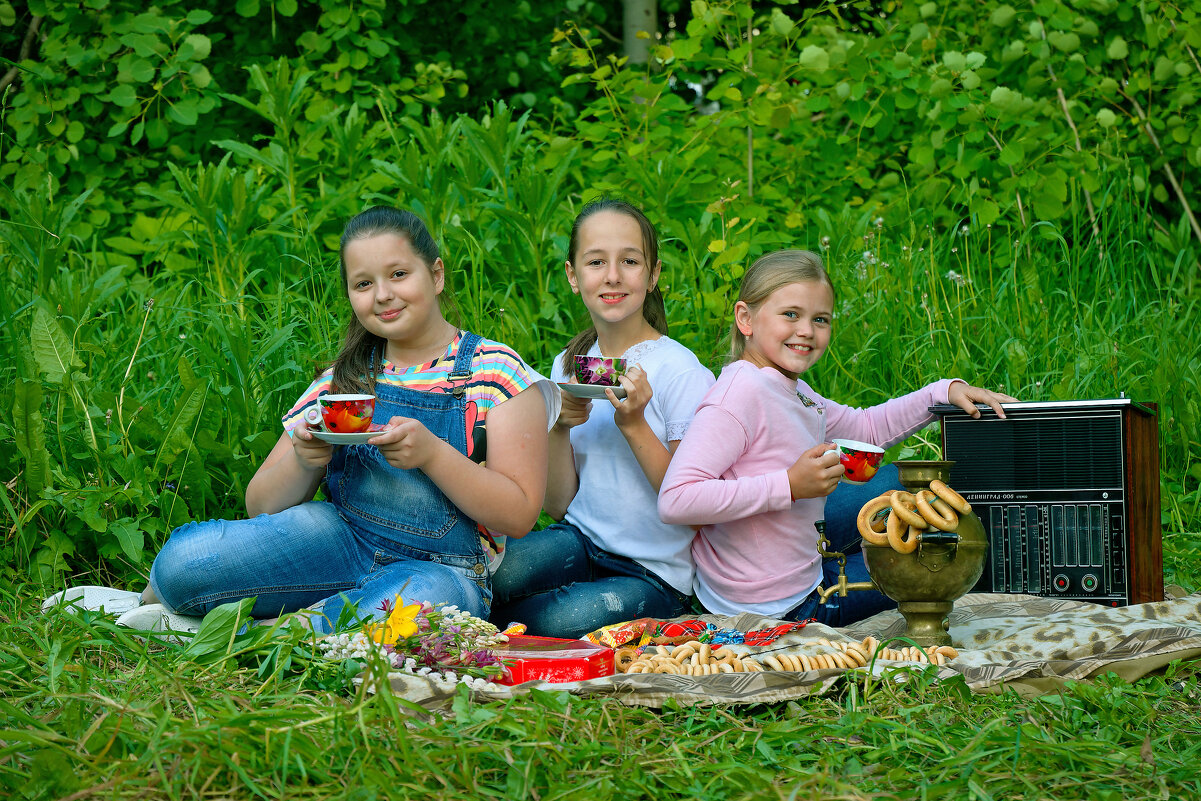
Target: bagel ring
x,y
944,509
933,515
904,505
953,498
864,520
903,539
623,658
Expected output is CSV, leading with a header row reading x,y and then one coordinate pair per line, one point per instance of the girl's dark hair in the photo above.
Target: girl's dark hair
x,y
652,308
769,273
362,354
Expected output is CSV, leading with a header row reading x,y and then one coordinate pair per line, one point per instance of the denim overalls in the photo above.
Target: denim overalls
x,y
402,510
383,532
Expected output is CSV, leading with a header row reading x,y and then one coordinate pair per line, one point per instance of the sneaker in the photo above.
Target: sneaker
x,y
94,599
156,617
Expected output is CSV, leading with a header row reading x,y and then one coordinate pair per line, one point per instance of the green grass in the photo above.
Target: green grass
x,y
91,712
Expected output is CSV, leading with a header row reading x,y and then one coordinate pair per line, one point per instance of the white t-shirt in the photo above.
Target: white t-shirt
x,y
615,505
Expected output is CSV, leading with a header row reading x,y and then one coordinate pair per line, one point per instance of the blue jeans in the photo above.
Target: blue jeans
x,y
384,532
306,557
842,509
558,583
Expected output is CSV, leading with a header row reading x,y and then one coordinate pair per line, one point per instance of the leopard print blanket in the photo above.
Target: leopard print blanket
x,y
1028,644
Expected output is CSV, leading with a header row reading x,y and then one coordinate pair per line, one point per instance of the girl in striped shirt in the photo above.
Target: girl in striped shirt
x,y
463,449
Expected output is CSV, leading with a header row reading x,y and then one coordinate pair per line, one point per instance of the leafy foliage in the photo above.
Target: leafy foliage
x,y
175,180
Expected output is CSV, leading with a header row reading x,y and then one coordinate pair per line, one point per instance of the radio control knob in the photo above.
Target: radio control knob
x,y
1089,582
1060,583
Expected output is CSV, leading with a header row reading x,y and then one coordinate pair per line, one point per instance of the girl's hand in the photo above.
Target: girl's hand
x,y
574,411
312,453
406,443
965,396
816,473
629,412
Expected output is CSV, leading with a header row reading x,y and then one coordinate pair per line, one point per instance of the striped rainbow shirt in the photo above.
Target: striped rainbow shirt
x,y
497,374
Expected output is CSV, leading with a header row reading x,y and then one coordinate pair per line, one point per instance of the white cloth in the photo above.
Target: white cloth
x,y
615,505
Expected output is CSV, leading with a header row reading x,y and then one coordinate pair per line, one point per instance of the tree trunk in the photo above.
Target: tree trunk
x,y
638,15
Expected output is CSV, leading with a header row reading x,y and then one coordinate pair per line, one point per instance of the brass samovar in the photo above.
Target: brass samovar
x,y
925,582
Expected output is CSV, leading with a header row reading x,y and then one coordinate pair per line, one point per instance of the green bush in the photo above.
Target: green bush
x,y
173,287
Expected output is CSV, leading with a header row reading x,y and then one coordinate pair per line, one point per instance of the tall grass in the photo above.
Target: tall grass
x,y
178,379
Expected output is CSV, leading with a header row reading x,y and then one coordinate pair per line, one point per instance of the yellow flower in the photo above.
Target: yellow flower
x,y
400,623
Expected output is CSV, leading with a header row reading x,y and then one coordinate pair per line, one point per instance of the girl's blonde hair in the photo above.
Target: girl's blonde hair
x,y
769,273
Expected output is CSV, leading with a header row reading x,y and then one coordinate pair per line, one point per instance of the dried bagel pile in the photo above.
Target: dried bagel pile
x,y
909,514
697,658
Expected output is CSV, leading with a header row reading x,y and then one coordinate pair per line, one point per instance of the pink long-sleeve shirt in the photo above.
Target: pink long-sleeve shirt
x,y
730,476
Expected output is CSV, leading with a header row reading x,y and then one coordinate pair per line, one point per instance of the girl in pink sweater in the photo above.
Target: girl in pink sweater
x,y
756,465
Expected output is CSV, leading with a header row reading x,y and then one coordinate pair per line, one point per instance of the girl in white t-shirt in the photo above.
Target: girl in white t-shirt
x,y
610,558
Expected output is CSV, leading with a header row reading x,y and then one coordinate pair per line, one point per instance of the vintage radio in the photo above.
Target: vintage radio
x,y
1068,493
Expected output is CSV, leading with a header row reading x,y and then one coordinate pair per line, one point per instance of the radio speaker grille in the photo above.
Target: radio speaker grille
x,y
1062,454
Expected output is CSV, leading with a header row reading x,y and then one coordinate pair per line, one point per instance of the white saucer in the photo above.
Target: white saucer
x,y
357,438
591,391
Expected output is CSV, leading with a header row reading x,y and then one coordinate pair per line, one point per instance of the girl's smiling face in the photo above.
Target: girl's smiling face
x,y
610,270
393,293
790,330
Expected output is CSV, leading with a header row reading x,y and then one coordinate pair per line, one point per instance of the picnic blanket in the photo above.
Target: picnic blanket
x,y
1025,643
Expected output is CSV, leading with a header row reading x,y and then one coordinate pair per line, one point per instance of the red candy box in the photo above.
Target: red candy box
x,y
550,659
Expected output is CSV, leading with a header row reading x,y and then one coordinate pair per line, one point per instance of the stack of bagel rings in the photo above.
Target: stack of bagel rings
x,y
695,658
909,514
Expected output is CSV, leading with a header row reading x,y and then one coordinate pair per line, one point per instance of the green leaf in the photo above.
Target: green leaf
x,y
954,61
52,348
1002,15
247,8
144,44
123,95
1106,118
29,431
1013,153
286,8
142,71
198,17
1117,49
1067,42
985,210
184,111
781,23
218,630
129,537
157,132
815,58
1008,102
201,45
179,427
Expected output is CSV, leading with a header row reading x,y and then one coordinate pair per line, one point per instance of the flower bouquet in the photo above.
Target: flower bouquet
x,y
440,642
